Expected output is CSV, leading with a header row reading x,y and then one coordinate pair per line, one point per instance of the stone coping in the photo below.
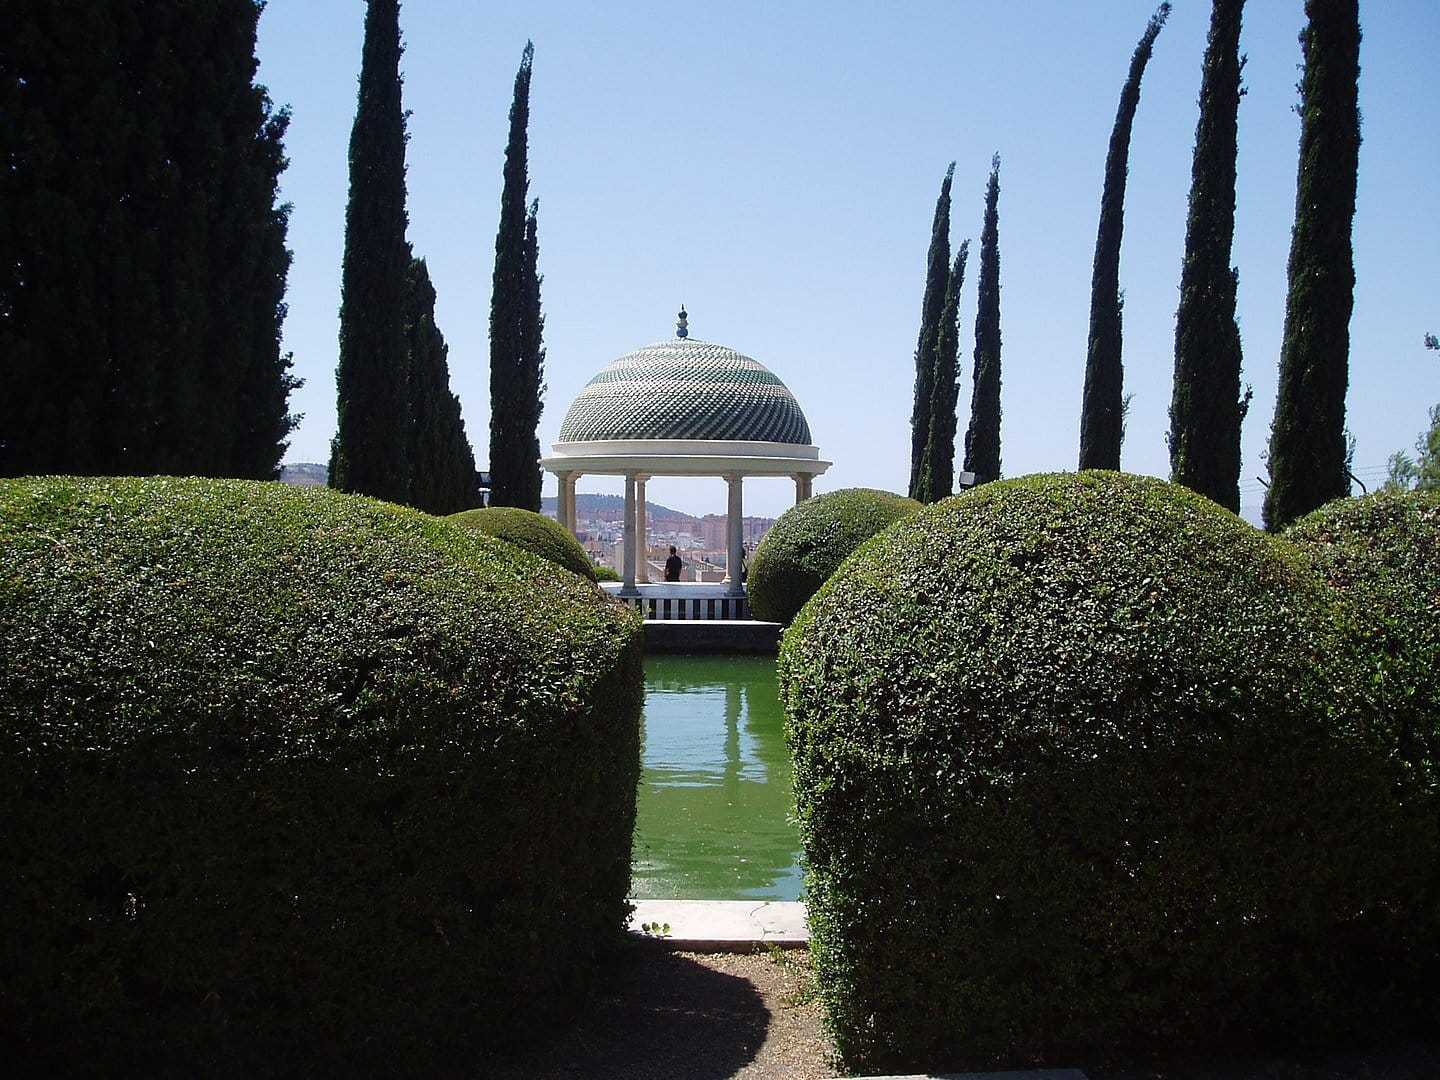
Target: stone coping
x,y
720,925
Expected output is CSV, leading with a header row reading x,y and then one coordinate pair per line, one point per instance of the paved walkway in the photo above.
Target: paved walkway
x,y
720,925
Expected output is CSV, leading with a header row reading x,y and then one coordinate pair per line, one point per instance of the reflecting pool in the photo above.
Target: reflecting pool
x,y
715,802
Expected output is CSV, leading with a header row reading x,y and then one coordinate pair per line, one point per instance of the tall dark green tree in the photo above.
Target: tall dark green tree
x,y
250,265
1206,407
142,253
937,466
1307,437
530,401
370,452
982,437
516,355
932,307
443,479
1102,420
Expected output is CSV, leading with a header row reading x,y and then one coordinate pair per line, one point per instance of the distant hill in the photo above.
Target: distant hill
x,y
305,474
612,508
594,507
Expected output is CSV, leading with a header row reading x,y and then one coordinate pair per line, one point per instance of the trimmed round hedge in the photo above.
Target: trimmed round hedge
x,y
296,782
530,532
1382,556
1069,791
810,540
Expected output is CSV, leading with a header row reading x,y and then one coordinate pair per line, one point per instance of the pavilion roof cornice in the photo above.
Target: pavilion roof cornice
x,y
673,464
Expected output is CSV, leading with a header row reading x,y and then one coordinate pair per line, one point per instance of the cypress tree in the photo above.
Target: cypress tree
x,y
443,479
1307,437
142,255
938,462
187,391
227,408
369,452
1206,408
982,437
932,306
65,228
250,264
1102,422
529,399
516,357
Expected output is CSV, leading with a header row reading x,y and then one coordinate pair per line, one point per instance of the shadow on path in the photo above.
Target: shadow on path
x,y
655,1014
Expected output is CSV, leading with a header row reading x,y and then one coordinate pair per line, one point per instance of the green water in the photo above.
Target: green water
x,y
715,801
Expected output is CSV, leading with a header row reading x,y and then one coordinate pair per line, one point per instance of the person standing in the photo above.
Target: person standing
x,y
673,566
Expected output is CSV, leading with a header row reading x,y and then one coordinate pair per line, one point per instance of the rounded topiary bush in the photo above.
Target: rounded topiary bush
x,y
1069,792
605,573
530,532
294,782
810,540
1382,556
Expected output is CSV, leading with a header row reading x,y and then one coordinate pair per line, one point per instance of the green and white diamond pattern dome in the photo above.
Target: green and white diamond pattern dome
x,y
685,389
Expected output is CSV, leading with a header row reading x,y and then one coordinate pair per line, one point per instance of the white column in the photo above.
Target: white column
x,y
642,572
570,514
735,522
563,501
628,588
802,487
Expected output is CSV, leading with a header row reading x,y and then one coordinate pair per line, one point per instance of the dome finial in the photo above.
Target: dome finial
x,y
681,331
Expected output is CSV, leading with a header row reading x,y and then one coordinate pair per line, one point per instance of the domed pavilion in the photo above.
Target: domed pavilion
x,y
683,408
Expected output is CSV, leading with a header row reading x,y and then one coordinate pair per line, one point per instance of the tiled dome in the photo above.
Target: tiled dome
x,y
685,389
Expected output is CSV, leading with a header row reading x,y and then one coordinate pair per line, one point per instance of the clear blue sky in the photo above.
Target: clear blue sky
x,y
775,167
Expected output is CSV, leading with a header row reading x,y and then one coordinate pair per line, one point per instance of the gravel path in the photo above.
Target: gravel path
x,y
693,1016
662,1015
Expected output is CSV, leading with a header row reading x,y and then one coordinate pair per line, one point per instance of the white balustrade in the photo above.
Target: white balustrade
x,y
687,600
